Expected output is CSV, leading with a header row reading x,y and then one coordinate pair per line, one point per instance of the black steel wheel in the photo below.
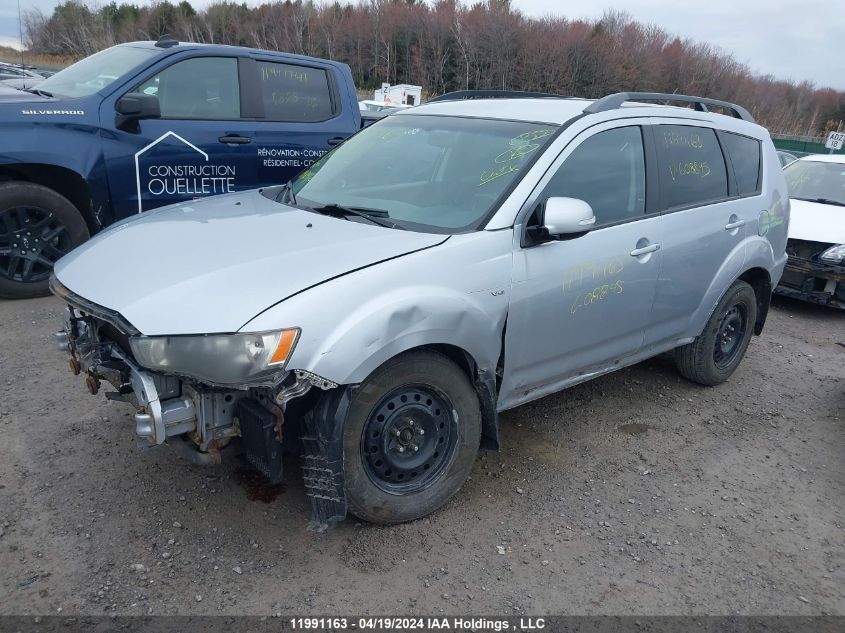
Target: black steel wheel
x,y
410,437
37,227
716,353
729,336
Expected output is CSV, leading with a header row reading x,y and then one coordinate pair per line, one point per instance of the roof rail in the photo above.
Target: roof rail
x,y
614,101
460,95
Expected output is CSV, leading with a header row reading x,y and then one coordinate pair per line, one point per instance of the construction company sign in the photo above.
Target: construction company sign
x,y
170,174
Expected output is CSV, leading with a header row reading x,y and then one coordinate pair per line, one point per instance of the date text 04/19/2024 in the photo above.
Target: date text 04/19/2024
x,y
479,624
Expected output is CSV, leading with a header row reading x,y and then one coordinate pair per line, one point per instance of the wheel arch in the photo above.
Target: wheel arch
x,y
62,180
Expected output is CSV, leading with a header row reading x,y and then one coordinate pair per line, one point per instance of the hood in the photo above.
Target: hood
x,y
21,82
211,266
816,222
9,93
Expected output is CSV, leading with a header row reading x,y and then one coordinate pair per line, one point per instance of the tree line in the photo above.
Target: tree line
x,y
447,45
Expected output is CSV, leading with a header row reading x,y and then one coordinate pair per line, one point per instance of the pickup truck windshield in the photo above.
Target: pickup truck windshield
x,y
816,181
96,72
426,173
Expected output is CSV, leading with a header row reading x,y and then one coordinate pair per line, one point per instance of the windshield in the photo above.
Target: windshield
x,y
429,173
816,181
96,72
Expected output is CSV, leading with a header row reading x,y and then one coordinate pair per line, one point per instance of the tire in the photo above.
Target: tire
x,y
712,357
412,392
37,227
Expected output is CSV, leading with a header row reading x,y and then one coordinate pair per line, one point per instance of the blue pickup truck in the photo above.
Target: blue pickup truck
x,y
141,125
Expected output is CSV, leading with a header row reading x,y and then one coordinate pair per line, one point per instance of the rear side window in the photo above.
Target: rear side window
x,y
745,157
607,171
692,167
294,93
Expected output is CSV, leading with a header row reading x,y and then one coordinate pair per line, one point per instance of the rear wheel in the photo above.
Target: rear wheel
x,y
410,439
712,357
37,227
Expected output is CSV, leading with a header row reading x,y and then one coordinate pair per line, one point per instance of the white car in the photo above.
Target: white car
x,y
816,268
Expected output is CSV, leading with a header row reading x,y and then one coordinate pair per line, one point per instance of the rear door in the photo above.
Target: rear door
x,y
707,203
300,116
196,149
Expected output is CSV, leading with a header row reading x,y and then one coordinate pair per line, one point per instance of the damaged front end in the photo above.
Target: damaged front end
x,y
201,420
809,278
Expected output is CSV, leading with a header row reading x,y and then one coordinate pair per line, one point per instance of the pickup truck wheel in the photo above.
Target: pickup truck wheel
x,y
712,357
410,439
37,227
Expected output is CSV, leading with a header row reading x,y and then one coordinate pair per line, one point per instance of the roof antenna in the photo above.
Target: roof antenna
x,y
20,32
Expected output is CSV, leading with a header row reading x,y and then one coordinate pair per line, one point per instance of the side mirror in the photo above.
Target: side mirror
x,y
567,216
134,106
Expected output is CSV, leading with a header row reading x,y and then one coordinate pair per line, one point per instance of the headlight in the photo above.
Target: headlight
x,y
225,359
834,255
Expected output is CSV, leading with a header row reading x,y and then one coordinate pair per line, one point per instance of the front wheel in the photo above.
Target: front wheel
x,y
37,227
712,357
410,438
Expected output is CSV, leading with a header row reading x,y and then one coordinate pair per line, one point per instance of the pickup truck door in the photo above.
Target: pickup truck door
x,y
302,112
581,305
196,149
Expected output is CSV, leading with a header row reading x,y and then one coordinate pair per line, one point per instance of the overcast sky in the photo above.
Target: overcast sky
x,y
790,39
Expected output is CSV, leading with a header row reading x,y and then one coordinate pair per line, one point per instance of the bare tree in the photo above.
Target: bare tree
x,y
453,44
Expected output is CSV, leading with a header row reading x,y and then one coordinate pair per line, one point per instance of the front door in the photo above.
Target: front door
x,y
196,149
580,305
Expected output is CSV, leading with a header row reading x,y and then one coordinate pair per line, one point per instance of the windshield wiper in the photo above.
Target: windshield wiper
x,y
838,203
287,193
372,215
40,93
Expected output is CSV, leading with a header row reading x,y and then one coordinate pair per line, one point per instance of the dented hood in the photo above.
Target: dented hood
x,y
816,222
212,265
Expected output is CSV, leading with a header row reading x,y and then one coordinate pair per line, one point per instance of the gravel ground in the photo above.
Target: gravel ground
x,y
637,493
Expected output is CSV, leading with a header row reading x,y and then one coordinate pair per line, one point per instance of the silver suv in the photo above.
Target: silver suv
x,y
455,260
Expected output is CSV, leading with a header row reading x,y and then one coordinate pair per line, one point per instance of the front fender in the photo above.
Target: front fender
x,y
400,320
65,135
454,294
49,151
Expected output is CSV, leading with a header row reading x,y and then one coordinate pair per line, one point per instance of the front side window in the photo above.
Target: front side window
x,y
197,88
816,181
745,157
294,93
608,172
427,173
692,167
96,72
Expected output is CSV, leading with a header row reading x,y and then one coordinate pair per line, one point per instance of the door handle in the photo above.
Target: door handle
x,y
337,140
234,139
645,250
730,226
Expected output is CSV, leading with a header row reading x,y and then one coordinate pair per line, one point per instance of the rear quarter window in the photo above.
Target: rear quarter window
x,y
745,158
692,167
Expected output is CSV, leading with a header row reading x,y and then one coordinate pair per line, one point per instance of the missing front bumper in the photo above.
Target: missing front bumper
x,y
167,406
812,281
